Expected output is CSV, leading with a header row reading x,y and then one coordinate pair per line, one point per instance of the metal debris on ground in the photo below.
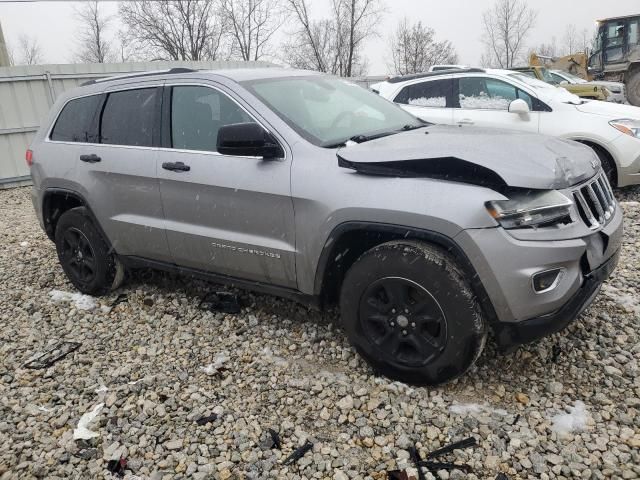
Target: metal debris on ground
x,y
51,356
397,475
121,298
275,439
437,466
416,459
117,467
515,420
205,420
298,453
466,443
224,302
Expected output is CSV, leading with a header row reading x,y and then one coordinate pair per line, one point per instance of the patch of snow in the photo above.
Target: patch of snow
x,y
440,102
484,101
218,362
82,432
575,420
80,301
24,244
268,355
475,408
629,302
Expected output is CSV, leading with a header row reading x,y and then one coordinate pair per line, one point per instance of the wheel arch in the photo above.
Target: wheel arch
x,y
598,147
349,240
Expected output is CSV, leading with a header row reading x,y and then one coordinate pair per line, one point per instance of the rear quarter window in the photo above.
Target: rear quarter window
x,y
76,122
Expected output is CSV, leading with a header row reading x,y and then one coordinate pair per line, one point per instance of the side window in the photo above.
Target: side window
x,y
129,117
76,121
427,94
197,113
634,33
480,93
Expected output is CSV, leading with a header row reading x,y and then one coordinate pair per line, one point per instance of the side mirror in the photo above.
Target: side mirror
x,y
519,106
247,140
564,82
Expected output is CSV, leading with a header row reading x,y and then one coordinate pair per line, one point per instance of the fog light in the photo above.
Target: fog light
x,y
547,280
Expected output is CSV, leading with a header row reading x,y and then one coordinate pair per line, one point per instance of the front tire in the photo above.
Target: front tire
x,y
84,255
408,310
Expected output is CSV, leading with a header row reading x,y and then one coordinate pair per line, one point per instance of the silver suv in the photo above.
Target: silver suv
x,y
312,188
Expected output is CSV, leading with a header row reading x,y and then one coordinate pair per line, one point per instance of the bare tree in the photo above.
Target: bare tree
x,y
251,24
29,51
588,39
571,40
414,49
506,26
95,47
173,29
548,49
333,44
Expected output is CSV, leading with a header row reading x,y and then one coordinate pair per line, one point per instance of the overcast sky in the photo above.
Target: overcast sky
x,y
55,25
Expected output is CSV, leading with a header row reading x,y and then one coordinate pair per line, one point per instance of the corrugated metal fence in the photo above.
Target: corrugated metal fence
x,y
27,93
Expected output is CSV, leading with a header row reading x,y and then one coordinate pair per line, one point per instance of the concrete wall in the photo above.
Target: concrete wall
x,y
27,92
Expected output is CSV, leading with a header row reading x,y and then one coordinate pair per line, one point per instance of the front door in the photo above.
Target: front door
x,y
484,102
224,214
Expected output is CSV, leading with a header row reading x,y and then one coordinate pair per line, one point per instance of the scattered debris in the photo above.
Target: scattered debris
x,y
575,420
117,467
217,365
83,432
466,443
121,298
275,439
417,460
397,475
556,350
434,467
224,302
148,301
502,476
80,301
205,420
51,356
86,453
298,453
516,420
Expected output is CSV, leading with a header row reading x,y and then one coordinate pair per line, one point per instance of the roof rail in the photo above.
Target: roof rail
x,y
140,74
415,76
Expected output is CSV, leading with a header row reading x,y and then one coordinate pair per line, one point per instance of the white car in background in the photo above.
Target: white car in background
x,y
617,89
510,100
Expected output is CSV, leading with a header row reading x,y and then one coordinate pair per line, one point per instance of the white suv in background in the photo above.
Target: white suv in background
x,y
511,100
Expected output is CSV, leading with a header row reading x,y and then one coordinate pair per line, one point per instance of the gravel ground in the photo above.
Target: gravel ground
x,y
567,407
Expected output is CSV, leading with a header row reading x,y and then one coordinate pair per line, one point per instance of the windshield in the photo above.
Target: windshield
x,y
532,82
328,111
547,91
547,77
573,78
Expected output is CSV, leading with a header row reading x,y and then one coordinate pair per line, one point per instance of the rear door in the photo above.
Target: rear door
x,y
483,101
118,172
430,100
224,214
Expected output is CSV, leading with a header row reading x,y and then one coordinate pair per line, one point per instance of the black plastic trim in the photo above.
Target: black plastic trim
x,y
403,232
288,293
511,335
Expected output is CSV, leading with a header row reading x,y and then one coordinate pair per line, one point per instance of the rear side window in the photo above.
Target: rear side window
x,y
128,117
76,121
433,94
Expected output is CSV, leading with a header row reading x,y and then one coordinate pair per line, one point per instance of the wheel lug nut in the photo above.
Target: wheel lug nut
x,y
404,332
393,310
413,325
393,324
406,310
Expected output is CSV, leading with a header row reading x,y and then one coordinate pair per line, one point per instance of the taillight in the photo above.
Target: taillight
x,y
29,157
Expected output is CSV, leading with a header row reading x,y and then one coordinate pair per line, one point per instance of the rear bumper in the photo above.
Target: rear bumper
x,y
526,331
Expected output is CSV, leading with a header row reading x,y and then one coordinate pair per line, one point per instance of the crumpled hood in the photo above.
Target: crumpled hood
x,y
613,110
514,158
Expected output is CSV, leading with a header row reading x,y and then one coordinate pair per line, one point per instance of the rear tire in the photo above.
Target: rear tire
x,y
633,87
84,255
408,310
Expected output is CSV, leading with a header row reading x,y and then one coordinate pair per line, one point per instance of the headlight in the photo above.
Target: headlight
x,y
531,209
628,126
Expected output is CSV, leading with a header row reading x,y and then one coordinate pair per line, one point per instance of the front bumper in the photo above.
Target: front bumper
x,y
505,264
509,335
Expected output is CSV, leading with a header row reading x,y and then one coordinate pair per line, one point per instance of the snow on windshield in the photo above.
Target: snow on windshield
x,y
557,93
428,102
484,101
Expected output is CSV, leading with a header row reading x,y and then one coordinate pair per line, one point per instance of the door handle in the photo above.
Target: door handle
x,y
176,166
91,158
466,121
